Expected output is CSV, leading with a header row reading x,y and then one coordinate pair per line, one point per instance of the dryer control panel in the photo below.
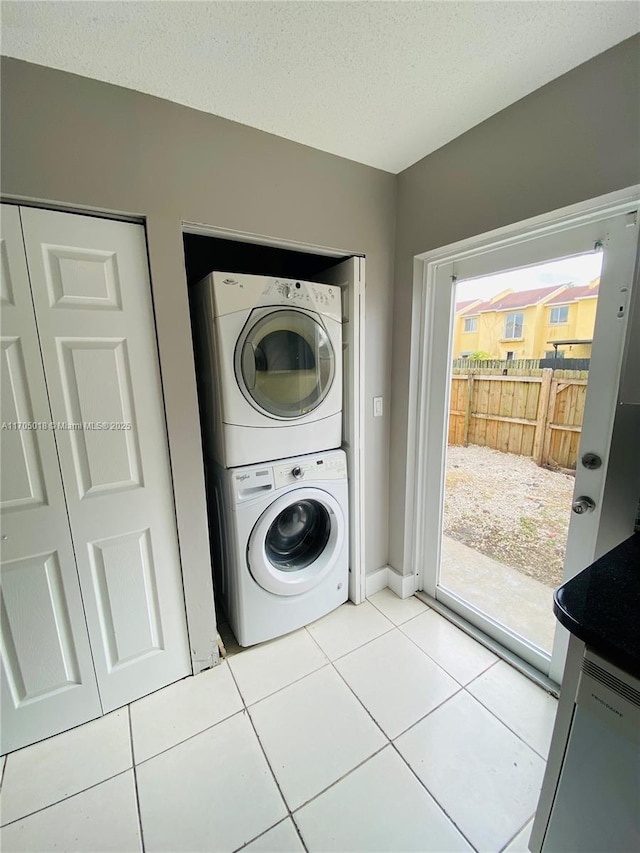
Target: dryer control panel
x,y
303,294
244,292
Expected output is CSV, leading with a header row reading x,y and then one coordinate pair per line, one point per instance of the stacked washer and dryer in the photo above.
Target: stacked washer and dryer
x,y
269,354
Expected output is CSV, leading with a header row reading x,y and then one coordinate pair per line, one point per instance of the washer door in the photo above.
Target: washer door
x,y
296,542
284,363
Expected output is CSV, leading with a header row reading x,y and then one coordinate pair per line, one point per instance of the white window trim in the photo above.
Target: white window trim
x,y
468,320
558,308
519,337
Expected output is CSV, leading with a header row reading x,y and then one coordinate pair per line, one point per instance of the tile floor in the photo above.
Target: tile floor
x,y
379,727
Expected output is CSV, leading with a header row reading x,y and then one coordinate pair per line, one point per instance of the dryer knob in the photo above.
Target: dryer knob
x,y
286,291
297,472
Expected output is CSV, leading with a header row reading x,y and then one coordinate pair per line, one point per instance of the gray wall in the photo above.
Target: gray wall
x,y
574,139
78,142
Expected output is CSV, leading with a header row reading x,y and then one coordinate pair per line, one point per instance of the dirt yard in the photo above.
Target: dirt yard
x,y
508,508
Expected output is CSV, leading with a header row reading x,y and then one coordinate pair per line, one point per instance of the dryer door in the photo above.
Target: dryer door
x,y
296,541
284,362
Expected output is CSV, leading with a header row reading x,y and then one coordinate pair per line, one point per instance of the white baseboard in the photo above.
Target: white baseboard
x,y
377,580
404,586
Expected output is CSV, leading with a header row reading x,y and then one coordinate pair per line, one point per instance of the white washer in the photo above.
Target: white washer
x,y
270,365
284,543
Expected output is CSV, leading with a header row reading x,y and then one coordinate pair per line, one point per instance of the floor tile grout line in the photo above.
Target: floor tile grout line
x,y
361,703
191,737
355,649
266,758
368,712
135,780
404,622
463,685
340,779
65,799
507,726
261,834
333,664
279,689
515,834
299,833
433,797
428,714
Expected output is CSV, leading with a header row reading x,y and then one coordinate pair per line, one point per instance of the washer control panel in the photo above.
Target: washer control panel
x,y
332,466
258,480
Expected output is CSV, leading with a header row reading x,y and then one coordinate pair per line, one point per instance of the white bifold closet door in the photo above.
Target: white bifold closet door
x,y
94,316
48,681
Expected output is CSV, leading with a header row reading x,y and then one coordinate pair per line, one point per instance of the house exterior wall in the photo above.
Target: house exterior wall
x,y
464,342
553,148
559,331
585,319
537,333
80,143
581,319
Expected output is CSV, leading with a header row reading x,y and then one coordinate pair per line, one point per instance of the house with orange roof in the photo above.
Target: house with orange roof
x,y
535,323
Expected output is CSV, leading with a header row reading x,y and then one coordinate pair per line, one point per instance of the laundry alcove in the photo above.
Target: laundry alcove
x,y
206,252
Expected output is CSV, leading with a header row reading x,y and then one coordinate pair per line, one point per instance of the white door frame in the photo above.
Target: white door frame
x,y
424,515
354,336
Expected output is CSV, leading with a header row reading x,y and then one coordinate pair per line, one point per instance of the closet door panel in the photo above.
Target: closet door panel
x,y
95,318
48,681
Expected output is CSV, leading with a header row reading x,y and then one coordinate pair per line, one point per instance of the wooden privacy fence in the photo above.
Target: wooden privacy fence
x,y
537,416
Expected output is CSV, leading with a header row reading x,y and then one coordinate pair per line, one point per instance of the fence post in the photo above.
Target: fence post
x,y
467,412
541,415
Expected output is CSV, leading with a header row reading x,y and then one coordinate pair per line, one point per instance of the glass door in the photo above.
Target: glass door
x,y
522,394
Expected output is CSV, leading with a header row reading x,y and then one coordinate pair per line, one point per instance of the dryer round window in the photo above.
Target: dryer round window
x,y
296,541
284,362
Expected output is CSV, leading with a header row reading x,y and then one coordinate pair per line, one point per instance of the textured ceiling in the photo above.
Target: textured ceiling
x,y
383,83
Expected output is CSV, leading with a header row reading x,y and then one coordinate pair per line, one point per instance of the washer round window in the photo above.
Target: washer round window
x,y
298,535
285,363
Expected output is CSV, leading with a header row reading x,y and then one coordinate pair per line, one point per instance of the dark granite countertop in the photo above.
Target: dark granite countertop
x,y
601,605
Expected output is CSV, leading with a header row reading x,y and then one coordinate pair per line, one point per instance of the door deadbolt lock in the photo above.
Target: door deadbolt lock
x,y
582,505
591,461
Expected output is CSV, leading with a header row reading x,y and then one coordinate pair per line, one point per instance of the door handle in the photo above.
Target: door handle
x,y
582,505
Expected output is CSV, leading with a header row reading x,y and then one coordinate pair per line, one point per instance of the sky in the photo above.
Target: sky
x,y
578,270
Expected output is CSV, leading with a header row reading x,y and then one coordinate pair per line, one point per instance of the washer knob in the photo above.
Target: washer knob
x,y
286,291
297,472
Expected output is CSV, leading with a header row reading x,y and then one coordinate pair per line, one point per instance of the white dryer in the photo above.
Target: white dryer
x,y
283,533
270,366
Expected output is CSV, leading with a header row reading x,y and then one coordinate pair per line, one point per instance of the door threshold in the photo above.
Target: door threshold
x,y
493,645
